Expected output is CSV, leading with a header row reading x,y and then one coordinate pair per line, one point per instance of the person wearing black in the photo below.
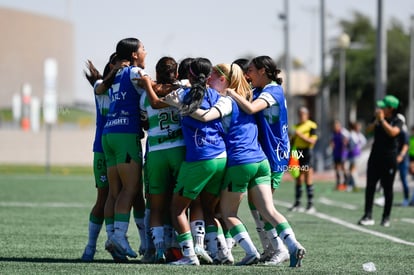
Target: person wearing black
x,y
382,162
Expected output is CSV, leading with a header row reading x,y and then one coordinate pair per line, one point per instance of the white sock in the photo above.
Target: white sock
x,y
275,241
289,238
244,240
120,228
223,250
169,234
94,230
109,230
143,230
187,245
211,243
230,243
158,237
198,232
260,228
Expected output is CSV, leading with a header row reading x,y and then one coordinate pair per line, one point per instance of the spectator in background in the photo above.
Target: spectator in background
x,y
339,143
411,151
411,158
382,162
403,161
303,141
356,142
403,165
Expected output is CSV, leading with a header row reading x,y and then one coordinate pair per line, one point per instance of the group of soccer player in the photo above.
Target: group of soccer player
x,y
211,134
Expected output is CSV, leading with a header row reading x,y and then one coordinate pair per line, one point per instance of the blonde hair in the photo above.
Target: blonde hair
x,y
236,79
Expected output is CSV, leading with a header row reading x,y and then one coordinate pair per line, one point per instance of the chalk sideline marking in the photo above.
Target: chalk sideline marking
x,y
45,204
407,220
344,205
350,225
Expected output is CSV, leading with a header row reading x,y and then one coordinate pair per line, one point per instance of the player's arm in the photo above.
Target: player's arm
x,y
247,106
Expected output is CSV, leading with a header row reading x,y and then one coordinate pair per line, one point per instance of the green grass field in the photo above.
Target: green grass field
x,y
44,221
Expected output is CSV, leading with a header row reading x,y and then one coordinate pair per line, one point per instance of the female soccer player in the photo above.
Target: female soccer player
x,y
269,105
203,169
121,142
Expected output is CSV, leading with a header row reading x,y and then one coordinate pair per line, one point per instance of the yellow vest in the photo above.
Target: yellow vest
x,y
308,129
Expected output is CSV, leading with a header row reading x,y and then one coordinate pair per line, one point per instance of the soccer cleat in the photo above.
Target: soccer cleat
x,y
227,259
279,256
202,255
173,254
297,255
250,259
385,222
341,187
405,203
159,256
118,258
141,250
365,220
310,209
220,258
187,260
88,254
149,257
122,246
267,254
296,207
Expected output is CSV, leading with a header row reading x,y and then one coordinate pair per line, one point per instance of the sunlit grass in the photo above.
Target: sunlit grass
x,y
44,220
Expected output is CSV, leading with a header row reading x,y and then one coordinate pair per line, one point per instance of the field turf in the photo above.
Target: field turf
x,y
44,221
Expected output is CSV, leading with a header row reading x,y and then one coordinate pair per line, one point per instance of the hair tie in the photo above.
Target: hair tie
x,y
191,72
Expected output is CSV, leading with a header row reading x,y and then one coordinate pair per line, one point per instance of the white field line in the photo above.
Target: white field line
x,y
407,220
350,225
344,205
45,204
285,204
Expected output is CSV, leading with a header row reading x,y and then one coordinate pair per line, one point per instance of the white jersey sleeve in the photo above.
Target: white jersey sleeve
x,y
97,83
180,94
135,74
268,98
143,107
224,106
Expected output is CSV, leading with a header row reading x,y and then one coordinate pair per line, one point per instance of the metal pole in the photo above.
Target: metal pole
x,y
48,141
411,88
322,17
343,43
323,114
288,92
342,100
381,56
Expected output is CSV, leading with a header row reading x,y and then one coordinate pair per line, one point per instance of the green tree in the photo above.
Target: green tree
x,y
398,68
360,64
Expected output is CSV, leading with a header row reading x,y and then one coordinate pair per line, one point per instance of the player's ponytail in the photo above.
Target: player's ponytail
x,y
199,72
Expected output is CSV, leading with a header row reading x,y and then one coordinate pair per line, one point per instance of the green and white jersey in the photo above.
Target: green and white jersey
x,y
164,130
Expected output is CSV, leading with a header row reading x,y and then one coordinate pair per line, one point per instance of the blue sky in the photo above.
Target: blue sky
x,y
221,30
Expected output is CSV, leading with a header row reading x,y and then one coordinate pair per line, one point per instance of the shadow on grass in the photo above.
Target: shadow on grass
x,y
57,260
